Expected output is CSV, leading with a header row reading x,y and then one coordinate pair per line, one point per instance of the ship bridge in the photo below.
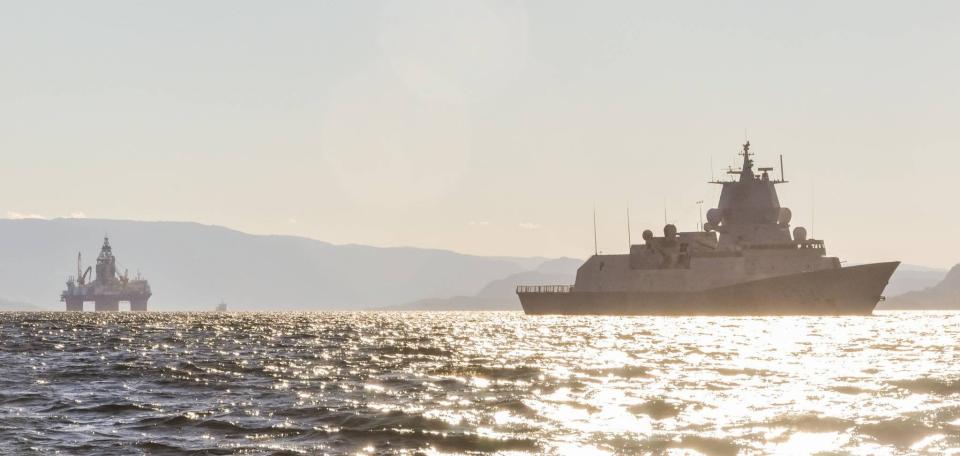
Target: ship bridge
x,y
749,211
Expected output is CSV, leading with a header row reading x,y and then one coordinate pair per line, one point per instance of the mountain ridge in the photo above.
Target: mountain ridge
x,y
942,296
500,294
192,266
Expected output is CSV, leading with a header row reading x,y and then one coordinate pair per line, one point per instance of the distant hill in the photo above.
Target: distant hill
x,y
501,294
459,303
944,295
909,277
10,306
192,266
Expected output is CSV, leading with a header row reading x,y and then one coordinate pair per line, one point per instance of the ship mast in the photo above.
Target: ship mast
x,y
746,172
595,249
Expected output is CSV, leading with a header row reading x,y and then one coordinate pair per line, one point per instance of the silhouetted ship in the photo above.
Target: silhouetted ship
x,y
743,262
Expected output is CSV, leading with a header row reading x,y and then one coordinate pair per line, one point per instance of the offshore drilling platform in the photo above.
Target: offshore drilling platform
x,y
108,288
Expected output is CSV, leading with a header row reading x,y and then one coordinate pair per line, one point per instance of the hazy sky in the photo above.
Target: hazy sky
x,y
484,127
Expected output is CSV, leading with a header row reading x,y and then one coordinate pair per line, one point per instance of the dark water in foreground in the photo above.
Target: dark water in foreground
x,y
410,383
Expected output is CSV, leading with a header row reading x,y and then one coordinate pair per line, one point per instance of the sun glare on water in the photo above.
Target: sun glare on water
x,y
504,383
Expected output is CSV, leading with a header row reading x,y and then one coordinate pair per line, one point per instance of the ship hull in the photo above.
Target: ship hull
x,y
851,290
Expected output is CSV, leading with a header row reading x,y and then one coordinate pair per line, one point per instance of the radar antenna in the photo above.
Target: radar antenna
x,y
782,179
595,249
82,274
700,203
746,172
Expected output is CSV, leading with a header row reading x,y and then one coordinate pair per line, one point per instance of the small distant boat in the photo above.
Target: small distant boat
x,y
222,307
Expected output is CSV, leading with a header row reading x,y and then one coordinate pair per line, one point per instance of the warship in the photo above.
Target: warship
x,y
744,260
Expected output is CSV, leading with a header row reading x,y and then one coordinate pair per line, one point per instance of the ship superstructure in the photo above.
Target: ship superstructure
x,y
744,261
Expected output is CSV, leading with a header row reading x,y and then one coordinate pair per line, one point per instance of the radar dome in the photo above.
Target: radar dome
x,y
670,231
647,235
785,216
799,234
769,215
714,216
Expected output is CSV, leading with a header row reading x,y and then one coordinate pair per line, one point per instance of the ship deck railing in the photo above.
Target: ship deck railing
x,y
544,288
814,244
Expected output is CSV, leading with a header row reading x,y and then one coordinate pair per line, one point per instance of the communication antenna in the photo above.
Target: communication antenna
x,y
700,203
629,241
813,207
664,210
711,169
595,249
784,179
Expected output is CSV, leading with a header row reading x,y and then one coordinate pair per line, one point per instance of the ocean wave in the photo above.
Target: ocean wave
x,y
489,372
474,383
657,409
900,432
810,423
662,444
114,408
929,385
628,371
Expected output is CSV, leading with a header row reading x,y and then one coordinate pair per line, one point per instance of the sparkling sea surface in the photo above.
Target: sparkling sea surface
x,y
477,383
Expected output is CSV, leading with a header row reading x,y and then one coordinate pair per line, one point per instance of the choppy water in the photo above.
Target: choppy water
x,y
435,383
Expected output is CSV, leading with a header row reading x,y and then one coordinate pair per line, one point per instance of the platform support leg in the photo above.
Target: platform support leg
x,y
138,304
74,304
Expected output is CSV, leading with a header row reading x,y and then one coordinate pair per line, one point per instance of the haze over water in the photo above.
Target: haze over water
x,y
443,383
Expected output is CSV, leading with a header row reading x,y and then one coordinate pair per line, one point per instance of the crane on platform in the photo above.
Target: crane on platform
x,y
82,276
